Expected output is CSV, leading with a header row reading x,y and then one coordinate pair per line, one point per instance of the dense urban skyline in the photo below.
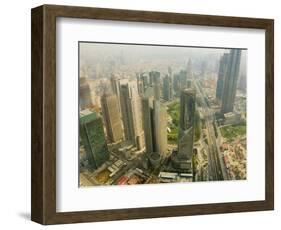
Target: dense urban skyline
x,y
160,114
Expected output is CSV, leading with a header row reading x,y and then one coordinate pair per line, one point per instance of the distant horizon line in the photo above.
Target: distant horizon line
x,y
151,44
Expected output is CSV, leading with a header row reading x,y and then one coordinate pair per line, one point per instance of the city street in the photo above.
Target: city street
x,y
216,166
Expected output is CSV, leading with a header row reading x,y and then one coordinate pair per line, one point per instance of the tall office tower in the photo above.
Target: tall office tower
x,y
147,116
160,127
167,88
176,84
153,75
140,84
131,114
183,79
221,75
154,80
85,94
154,123
145,81
183,158
112,117
189,69
230,81
116,82
93,138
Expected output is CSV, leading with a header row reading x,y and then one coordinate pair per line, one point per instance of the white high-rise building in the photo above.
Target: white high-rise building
x,y
154,123
132,114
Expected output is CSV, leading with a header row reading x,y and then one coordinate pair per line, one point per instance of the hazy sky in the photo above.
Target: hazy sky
x,y
90,51
93,55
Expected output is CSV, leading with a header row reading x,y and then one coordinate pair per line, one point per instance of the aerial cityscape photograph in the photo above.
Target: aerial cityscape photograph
x,y
151,114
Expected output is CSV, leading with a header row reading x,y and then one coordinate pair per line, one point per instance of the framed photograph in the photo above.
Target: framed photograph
x,y
140,114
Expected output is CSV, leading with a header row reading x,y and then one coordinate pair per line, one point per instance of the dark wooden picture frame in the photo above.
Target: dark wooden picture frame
x,y
43,189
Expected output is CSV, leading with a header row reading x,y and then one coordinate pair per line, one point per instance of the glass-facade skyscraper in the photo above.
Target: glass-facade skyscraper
x,y
230,81
93,138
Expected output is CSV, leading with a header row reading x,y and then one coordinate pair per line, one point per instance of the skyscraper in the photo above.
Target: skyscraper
x,y
167,88
84,93
131,114
154,123
154,80
183,79
112,117
148,127
230,81
116,82
176,84
140,84
160,127
145,81
221,75
183,158
93,138
189,69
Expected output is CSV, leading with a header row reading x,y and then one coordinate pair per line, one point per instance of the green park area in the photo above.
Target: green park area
x,y
174,112
231,132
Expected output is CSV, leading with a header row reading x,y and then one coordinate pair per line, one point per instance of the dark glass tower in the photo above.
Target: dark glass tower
x,y
230,81
93,138
221,75
154,80
167,88
186,123
183,159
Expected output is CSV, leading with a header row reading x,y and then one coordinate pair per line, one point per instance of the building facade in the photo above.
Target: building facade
x,y
93,138
183,79
154,80
85,99
230,81
154,123
189,69
167,88
183,158
221,75
160,124
131,114
112,117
